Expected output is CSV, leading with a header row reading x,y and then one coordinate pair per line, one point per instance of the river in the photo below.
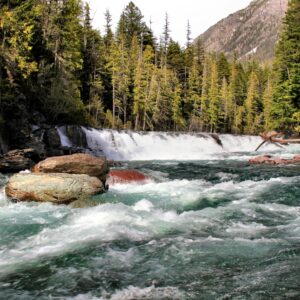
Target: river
x,y
206,225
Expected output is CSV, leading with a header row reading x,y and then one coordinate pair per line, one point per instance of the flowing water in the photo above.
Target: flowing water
x,y
206,225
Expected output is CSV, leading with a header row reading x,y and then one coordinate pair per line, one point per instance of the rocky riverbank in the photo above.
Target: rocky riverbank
x,y
60,180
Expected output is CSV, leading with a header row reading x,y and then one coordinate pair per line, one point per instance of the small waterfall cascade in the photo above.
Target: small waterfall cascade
x,y
64,139
130,145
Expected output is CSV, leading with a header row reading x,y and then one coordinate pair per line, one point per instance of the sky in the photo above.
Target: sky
x,y
201,14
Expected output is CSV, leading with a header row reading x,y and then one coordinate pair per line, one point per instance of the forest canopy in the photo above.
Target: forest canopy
x,y
53,61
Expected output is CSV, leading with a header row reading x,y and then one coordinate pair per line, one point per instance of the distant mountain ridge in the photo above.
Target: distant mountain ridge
x,y
250,32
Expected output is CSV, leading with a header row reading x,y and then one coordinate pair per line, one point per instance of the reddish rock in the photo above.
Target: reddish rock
x,y
265,159
126,176
268,160
280,161
296,158
74,164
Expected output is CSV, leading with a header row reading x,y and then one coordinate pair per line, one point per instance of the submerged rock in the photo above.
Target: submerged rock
x,y
56,188
126,176
74,164
296,158
269,160
265,159
18,160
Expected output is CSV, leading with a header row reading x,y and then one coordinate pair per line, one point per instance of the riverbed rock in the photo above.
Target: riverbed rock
x,y
265,159
54,187
52,141
76,135
74,164
280,161
126,176
18,160
269,160
296,158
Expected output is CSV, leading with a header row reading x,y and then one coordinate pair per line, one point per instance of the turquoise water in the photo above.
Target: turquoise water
x,y
212,229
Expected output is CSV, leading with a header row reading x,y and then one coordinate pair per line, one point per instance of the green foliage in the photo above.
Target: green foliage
x,y
287,71
214,109
252,104
131,23
53,60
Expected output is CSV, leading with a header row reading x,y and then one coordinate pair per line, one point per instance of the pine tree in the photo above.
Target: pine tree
x,y
199,54
119,65
236,95
131,23
175,58
287,70
214,108
224,103
194,97
223,68
108,35
166,33
268,103
165,40
177,117
188,34
91,50
205,94
252,104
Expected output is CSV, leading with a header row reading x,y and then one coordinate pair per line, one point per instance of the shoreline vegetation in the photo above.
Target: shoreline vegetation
x,y
57,69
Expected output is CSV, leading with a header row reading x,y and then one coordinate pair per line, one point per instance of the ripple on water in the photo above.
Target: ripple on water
x,y
231,232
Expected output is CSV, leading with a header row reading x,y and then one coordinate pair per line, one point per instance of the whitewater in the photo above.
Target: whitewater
x,y
206,225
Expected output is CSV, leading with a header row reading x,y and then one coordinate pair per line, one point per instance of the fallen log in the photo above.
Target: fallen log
x,y
276,139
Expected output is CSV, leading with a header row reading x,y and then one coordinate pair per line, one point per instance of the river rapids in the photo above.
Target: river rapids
x,y
206,225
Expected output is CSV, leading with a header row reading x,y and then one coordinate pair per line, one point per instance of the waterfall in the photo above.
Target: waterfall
x,y
129,145
64,139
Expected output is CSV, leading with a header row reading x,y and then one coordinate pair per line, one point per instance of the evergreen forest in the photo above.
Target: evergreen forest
x,y
54,62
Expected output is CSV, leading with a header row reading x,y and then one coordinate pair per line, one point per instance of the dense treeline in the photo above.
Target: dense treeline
x,y
54,62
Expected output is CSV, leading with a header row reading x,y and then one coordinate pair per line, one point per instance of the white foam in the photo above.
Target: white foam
x,y
151,292
252,228
184,192
127,145
143,205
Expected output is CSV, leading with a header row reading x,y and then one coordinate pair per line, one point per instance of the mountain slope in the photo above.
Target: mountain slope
x,y
252,31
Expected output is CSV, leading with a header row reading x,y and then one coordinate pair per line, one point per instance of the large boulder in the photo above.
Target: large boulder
x,y
74,164
18,160
126,176
56,188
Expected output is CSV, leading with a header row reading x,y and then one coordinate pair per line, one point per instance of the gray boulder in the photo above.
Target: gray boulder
x,y
18,160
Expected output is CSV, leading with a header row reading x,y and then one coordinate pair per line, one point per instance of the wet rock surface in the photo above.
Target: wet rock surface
x,y
54,187
18,160
74,164
269,160
126,176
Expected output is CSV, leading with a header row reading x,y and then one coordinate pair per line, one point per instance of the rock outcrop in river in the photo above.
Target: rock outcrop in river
x,y
58,188
269,160
18,160
60,180
74,164
126,176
